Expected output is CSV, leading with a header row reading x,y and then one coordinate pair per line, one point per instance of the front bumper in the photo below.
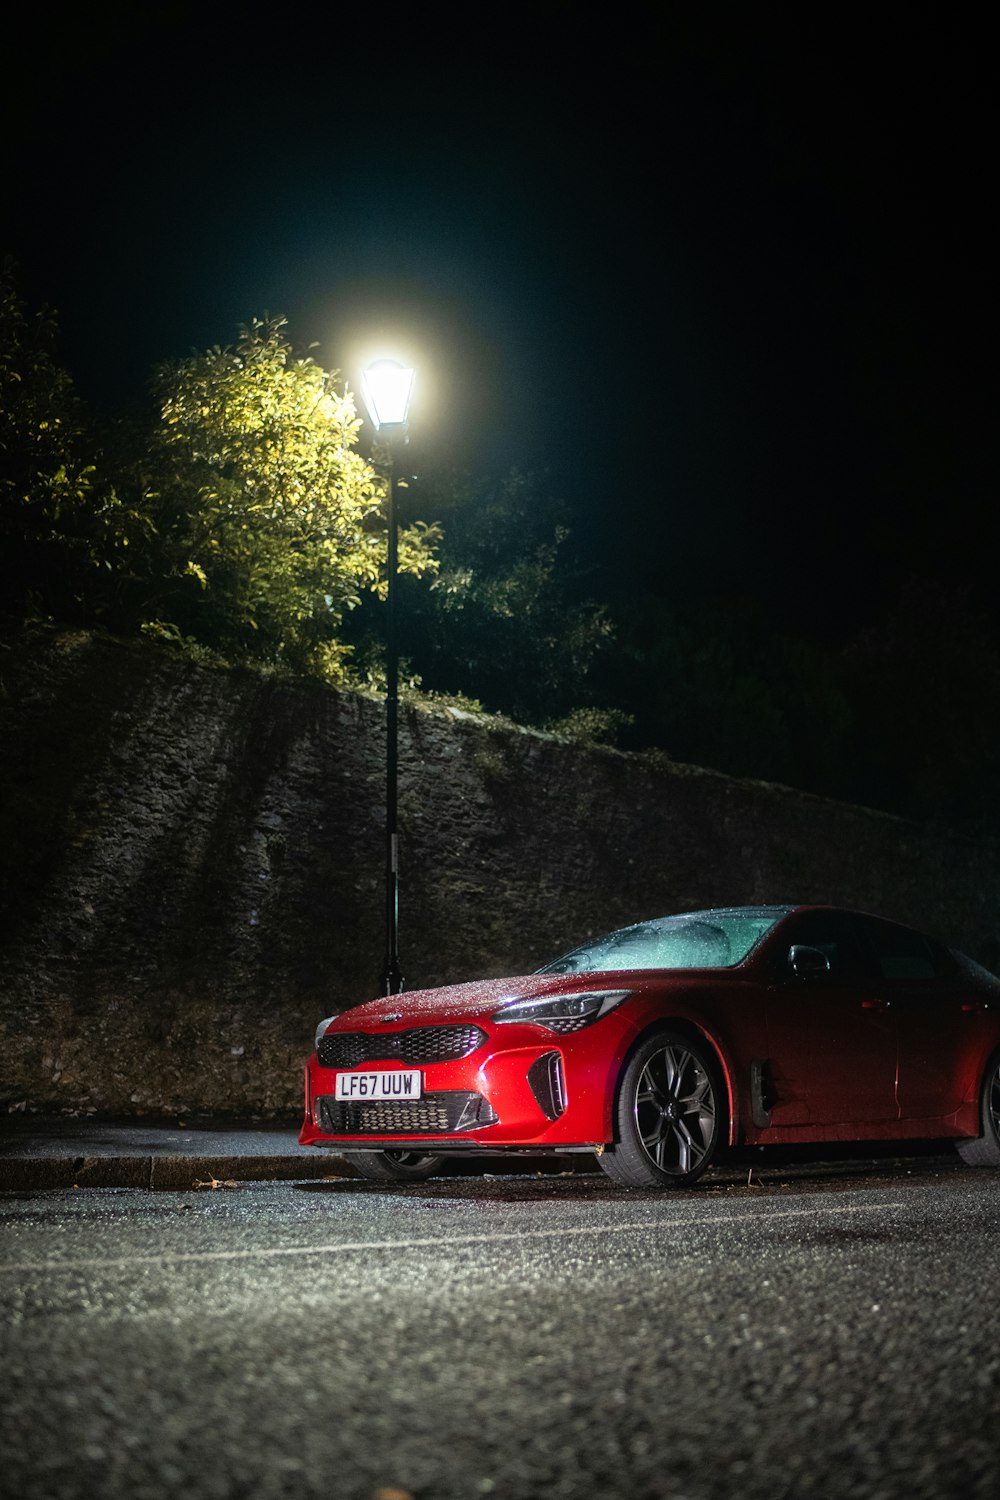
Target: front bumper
x,y
529,1090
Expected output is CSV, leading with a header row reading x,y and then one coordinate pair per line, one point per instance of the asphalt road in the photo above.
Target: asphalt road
x,y
831,1334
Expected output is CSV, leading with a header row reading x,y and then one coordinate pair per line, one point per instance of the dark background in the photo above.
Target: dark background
x,y
722,269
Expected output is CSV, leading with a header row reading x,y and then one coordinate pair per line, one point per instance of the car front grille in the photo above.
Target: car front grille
x,y
446,1113
418,1044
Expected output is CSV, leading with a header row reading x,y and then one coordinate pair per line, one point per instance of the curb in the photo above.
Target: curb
x,y
164,1172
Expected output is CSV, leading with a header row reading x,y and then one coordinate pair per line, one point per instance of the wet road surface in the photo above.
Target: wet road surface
x,y
830,1332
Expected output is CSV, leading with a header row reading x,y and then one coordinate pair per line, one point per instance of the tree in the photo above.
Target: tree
x,y
47,478
505,621
264,526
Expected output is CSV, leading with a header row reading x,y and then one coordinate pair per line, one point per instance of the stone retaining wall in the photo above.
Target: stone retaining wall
x,y
191,866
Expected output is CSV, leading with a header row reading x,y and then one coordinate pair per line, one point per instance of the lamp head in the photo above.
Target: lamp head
x,y
386,387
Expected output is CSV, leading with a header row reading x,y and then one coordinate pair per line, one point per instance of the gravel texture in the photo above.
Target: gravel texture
x,y
517,1337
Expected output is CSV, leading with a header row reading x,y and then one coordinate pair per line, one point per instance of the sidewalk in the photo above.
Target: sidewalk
x,y
38,1151
52,1151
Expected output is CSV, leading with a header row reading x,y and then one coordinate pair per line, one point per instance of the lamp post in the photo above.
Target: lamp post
x,y
386,386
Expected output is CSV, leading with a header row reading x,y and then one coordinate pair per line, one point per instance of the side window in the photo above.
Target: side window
x,y
902,954
832,935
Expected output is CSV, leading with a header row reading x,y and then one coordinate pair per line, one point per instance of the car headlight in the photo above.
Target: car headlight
x,y
321,1028
562,1012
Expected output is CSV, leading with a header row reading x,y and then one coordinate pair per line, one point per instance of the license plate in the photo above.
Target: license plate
x,y
398,1083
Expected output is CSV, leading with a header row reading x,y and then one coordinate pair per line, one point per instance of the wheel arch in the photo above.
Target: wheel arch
x,y
684,1026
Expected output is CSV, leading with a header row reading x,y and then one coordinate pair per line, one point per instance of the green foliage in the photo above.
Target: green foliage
x,y
47,480
505,621
264,525
592,726
494,766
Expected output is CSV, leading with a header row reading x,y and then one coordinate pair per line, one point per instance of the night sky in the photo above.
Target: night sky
x,y
726,271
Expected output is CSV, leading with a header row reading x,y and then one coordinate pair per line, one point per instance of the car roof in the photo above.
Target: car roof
x,y
780,910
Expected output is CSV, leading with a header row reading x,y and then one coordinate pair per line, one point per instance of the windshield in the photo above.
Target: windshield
x,y
697,940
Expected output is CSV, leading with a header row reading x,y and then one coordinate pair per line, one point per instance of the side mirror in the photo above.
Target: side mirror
x,y
806,962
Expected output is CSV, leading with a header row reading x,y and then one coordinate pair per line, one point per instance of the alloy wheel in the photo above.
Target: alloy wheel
x,y
674,1110
994,1103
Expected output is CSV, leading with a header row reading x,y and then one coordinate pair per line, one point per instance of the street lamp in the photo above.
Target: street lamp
x,y
386,387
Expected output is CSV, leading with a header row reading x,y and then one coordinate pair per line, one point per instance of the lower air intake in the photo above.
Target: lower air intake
x,y
445,1113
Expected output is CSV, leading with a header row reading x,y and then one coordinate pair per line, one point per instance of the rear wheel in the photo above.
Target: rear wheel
x,y
396,1166
668,1114
984,1151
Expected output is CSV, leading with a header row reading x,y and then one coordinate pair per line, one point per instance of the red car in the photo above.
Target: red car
x,y
659,1044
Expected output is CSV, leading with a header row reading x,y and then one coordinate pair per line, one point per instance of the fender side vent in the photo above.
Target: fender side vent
x,y
545,1078
763,1097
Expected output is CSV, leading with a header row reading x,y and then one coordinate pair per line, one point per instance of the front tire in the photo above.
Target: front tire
x,y
984,1151
395,1166
668,1114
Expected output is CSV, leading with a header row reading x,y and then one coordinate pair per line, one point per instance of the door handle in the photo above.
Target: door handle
x,y
877,1003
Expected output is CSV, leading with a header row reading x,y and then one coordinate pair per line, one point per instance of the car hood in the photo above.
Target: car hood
x,y
481,997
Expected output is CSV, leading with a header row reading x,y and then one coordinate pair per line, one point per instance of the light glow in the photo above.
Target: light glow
x,y
386,387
